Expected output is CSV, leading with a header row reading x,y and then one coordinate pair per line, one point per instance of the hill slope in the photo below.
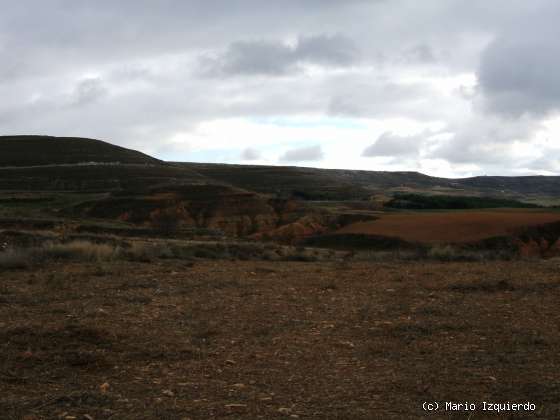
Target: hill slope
x,y
97,178
338,184
29,163
47,150
314,183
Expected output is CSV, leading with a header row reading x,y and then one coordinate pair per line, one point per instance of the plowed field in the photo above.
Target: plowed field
x,y
464,226
277,340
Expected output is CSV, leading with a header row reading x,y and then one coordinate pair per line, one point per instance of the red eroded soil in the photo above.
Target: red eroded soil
x,y
463,226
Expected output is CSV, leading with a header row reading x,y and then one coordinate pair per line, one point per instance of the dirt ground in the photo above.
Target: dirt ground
x,y
248,340
453,226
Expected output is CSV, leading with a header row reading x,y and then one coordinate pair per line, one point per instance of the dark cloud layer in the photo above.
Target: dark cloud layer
x,y
519,71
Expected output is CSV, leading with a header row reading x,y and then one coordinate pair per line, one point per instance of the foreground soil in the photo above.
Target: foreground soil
x,y
247,340
453,226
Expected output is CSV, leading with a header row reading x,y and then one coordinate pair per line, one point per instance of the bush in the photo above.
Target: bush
x,y
15,258
391,255
450,253
165,221
359,241
147,252
80,250
211,252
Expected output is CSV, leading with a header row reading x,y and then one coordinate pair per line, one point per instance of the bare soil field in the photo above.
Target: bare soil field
x,y
452,226
250,340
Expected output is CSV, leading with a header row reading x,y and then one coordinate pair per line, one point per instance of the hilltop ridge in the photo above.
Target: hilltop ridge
x,y
341,184
30,162
35,150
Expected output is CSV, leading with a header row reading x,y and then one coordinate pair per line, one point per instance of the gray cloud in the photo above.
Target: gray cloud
x,y
420,53
392,145
303,154
250,154
251,58
362,97
265,57
485,140
88,91
520,76
548,163
518,72
334,50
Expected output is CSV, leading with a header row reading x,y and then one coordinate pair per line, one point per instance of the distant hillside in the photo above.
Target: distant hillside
x,y
338,184
544,185
47,150
314,183
43,163
304,183
34,163
95,178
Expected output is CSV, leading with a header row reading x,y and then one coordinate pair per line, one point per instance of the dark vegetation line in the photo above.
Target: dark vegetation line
x,y
446,202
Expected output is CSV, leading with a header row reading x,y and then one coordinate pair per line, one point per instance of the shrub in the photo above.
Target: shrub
x,y
140,252
450,253
81,250
358,241
147,252
443,253
211,252
15,258
165,221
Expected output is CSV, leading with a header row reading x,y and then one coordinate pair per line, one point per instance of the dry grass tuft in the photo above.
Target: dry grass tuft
x,y
146,252
80,250
445,253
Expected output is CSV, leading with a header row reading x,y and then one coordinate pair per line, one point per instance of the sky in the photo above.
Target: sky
x,y
444,87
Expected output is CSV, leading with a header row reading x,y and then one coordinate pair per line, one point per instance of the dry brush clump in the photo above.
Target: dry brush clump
x,y
14,258
108,249
146,251
149,251
136,251
437,252
79,250
166,221
451,253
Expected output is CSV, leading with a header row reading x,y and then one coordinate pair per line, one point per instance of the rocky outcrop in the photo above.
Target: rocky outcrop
x,y
540,248
296,231
230,211
539,241
233,212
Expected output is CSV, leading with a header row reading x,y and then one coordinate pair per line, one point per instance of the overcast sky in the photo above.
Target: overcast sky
x,y
444,87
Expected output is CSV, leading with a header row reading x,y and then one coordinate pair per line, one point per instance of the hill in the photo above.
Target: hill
x,y
314,183
54,163
538,185
48,150
339,184
45,163
94,178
